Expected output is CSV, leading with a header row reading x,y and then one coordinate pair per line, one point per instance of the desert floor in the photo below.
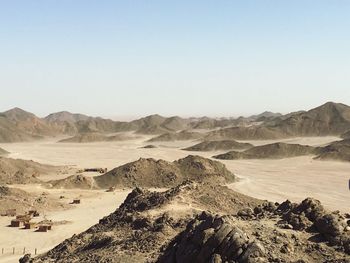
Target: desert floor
x,y
275,180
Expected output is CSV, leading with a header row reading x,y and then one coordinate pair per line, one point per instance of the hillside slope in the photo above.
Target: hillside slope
x,y
160,173
328,119
219,145
270,151
175,227
17,171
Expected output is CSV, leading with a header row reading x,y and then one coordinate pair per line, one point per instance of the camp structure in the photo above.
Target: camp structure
x,y
111,189
29,225
44,228
76,201
16,223
97,170
20,220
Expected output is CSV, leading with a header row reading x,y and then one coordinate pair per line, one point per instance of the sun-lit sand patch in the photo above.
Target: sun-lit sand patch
x,y
94,205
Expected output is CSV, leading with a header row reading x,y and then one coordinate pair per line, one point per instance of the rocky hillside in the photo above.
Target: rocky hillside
x,y
177,136
156,124
268,233
16,171
328,119
246,133
160,173
336,151
264,116
223,145
97,137
212,123
175,226
13,198
339,151
9,132
65,116
29,123
270,151
76,181
144,223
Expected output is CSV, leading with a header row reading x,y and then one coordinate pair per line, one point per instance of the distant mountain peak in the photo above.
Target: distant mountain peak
x,y
17,114
65,116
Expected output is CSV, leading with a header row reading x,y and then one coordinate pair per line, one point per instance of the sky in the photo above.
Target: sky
x,y
186,57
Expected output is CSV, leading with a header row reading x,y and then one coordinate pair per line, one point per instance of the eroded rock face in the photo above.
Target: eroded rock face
x,y
26,259
211,238
309,215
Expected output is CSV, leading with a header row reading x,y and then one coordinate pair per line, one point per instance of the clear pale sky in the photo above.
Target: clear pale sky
x,y
184,57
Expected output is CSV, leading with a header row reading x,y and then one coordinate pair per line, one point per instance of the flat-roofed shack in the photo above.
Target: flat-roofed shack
x,y
44,228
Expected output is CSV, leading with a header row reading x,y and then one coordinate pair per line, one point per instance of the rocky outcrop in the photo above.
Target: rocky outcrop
x,y
71,182
175,226
211,238
160,173
270,151
309,215
339,151
219,145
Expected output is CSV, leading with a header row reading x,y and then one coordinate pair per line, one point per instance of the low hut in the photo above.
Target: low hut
x,y
76,201
44,228
16,223
111,189
29,225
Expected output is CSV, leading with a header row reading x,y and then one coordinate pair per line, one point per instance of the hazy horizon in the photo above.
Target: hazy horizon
x,y
134,117
197,58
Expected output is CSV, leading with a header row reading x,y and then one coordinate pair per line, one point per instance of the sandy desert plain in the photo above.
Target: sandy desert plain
x,y
275,180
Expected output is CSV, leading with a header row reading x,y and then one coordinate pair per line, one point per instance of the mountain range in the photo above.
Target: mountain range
x,y
328,119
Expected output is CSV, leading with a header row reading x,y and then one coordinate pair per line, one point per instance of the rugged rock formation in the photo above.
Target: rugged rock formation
x,y
210,238
308,216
